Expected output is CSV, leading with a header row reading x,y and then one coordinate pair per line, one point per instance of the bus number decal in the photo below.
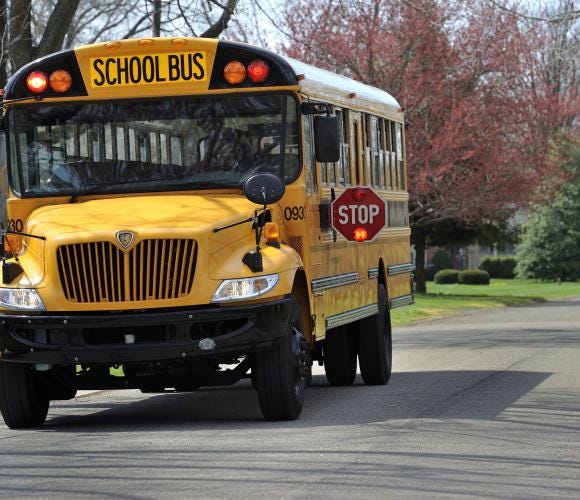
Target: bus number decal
x,y
294,213
149,69
15,225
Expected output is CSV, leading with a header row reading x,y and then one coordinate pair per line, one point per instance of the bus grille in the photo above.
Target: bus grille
x,y
152,270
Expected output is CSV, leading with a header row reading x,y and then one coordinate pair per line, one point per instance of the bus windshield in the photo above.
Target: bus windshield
x,y
152,145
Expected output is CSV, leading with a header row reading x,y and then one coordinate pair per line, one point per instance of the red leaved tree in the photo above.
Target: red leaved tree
x,y
480,117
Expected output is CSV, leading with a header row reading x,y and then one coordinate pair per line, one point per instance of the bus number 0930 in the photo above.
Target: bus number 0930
x,y
294,213
15,225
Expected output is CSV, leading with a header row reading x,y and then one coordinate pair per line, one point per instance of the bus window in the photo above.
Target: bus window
x,y
309,163
367,148
375,152
381,153
344,177
393,139
331,174
400,163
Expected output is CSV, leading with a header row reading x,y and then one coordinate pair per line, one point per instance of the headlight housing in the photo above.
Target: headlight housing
x,y
21,299
244,288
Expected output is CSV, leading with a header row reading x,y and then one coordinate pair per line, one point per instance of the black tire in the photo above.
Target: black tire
x,y
375,348
340,356
281,372
23,399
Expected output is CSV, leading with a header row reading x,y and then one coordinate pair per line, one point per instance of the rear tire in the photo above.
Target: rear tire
x,y
281,372
23,399
375,349
340,356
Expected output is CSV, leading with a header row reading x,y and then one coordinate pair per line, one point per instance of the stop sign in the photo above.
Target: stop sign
x,y
359,214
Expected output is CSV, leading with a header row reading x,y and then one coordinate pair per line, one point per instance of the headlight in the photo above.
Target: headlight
x,y
244,288
21,299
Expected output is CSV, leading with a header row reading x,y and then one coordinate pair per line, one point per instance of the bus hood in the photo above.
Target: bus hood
x,y
160,215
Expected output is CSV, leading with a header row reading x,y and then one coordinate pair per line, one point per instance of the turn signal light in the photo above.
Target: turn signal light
x,y
60,80
360,234
234,72
13,243
272,232
258,71
37,82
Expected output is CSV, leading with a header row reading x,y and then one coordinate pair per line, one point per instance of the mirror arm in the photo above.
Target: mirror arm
x,y
221,228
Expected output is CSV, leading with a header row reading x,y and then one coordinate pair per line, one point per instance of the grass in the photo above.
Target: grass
x,y
450,300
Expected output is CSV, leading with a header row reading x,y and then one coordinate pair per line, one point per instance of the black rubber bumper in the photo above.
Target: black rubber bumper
x,y
146,336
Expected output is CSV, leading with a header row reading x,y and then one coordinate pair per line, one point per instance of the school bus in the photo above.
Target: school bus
x,y
168,225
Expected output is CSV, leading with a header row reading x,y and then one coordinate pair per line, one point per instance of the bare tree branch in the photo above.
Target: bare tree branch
x,y
222,23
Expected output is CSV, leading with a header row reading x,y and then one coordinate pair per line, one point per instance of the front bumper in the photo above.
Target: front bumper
x,y
145,336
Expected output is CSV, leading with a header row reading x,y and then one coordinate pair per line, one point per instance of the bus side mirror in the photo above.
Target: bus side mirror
x,y
264,189
326,138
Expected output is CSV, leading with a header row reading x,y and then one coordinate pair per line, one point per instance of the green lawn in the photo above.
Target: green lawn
x,y
449,300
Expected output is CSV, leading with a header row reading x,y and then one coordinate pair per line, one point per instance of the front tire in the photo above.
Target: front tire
x,y
375,348
281,372
23,399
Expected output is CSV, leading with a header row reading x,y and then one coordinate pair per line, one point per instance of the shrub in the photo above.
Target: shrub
x,y
499,267
474,277
446,276
441,260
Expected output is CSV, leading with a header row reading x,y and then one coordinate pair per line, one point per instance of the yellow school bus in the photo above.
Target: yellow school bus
x,y
168,225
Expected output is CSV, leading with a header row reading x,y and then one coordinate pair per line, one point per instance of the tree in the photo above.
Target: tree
x,y
550,247
479,112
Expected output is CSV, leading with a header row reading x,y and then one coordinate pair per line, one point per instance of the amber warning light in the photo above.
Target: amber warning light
x,y
60,80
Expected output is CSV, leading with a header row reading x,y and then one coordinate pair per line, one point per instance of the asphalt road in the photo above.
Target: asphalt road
x,y
486,405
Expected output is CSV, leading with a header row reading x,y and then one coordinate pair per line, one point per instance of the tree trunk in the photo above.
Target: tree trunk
x,y
4,43
57,26
419,240
19,34
156,17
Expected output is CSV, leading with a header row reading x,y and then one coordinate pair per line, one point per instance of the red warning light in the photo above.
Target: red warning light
x,y
359,194
258,71
360,234
36,82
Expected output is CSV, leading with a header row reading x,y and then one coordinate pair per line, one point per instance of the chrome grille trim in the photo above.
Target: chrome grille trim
x,y
154,269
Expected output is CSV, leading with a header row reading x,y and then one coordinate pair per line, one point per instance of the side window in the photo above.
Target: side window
x,y
375,152
393,139
344,176
309,163
368,140
382,153
400,157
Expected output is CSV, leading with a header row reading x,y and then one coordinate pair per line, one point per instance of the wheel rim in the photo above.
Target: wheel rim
x,y
300,365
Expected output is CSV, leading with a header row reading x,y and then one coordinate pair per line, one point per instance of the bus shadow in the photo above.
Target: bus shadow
x,y
409,395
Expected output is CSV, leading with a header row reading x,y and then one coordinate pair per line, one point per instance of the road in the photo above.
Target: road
x,y
485,405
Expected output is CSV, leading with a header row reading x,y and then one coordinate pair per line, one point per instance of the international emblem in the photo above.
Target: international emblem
x,y
125,239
